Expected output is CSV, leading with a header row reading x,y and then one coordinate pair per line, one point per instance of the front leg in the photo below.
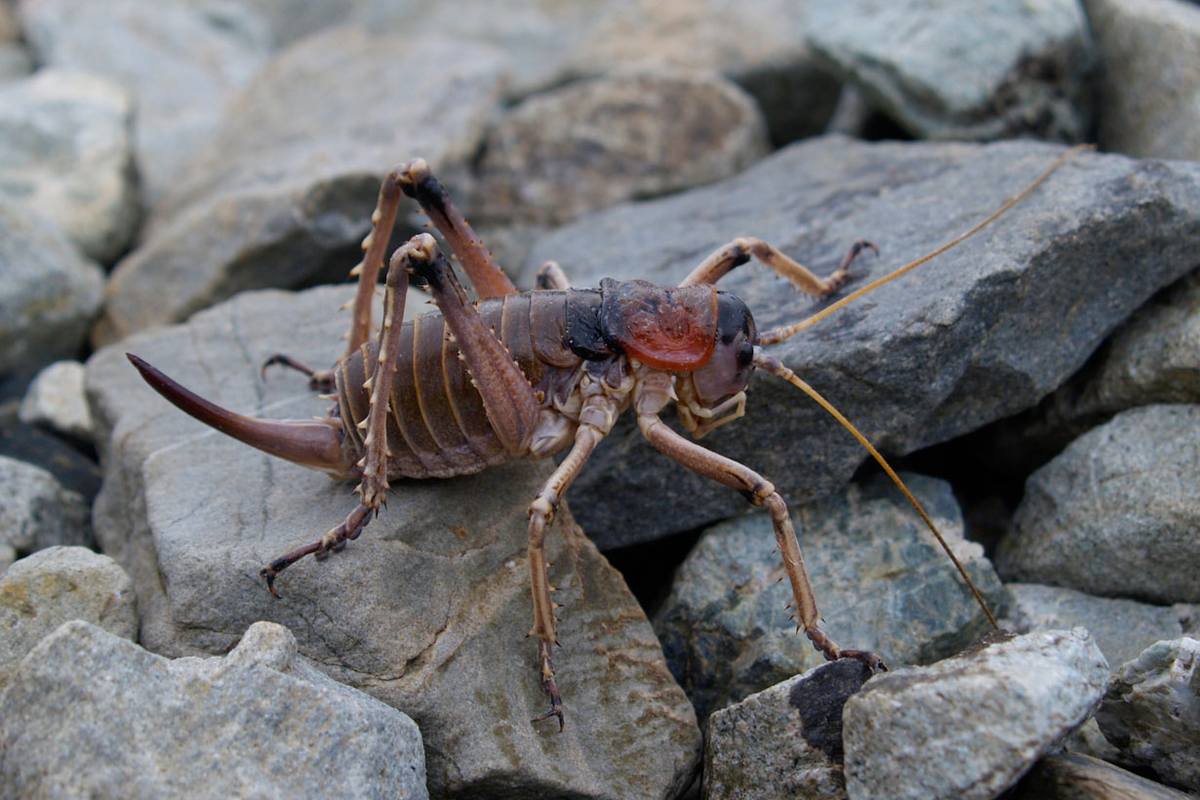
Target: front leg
x,y
650,397
739,251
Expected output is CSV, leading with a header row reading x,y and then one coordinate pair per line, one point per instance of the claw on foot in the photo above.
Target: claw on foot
x,y
550,686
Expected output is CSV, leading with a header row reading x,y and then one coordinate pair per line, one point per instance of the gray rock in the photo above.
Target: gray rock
x,y
67,143
49,293
1070,776
1122,628
181,60
55,401
595,142
970,726
1152,711
15,63
727,632
1150,51
283,198
785,741
427,610
1115,513
975,335
56,585
760,44
8,554
88,714
36,511
956,71
1153,358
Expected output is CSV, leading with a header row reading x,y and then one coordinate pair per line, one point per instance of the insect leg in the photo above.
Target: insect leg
x,y
508,398
486,276
759,492
739,251
551,276
374,484
595,421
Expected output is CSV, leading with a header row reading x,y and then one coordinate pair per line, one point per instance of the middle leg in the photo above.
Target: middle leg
x,y
739,251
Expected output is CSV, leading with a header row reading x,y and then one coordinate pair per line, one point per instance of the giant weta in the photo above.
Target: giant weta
x,y
527,375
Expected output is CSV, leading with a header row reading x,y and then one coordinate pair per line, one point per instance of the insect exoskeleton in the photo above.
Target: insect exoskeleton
x,y
528,375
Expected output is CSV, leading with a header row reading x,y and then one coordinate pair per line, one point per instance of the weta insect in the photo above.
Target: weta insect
x,y
529,375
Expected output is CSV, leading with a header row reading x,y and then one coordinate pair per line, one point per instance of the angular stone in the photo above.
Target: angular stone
x,y
1150,50
1115,513
67,144
785,741
36,511
282,198
181,63
956,71
258,722
1070,776
595,142
55,400
970,726
1152,711
49,294
1122,628
726,627
56,585
428,610
1154,357
974,335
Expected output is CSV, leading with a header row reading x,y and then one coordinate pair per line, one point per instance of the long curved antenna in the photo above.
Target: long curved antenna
x,y
774,366
787,331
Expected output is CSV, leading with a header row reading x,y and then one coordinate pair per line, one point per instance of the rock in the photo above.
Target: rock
x,y
70,467
8,554
55,401
257,723
761,45
785,741
36,511
1152,711
282,198
1153,358
595,142
427,610
66,139
975,335
970,726
56,585
1070,776
954,71
1115,513
49,295
1150,51
1122,628
725,626
181,63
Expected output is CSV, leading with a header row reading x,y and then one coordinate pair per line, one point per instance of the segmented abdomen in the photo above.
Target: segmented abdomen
x,y
437,426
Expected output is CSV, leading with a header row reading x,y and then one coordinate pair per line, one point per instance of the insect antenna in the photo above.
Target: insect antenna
x,y
787,331
770,364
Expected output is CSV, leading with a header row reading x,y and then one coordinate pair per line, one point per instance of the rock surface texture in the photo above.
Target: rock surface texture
x,y
89,714
970,726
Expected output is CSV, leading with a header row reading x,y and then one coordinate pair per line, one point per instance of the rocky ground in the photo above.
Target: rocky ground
x,y
180,179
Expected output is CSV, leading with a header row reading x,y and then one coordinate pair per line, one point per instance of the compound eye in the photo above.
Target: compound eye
x,y
745,354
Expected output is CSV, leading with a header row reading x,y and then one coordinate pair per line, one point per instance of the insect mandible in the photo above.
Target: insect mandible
x,y
527,375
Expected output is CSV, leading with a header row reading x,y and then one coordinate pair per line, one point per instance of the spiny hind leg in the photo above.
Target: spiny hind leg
x,y
418,182
374,246
739,251
374,484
